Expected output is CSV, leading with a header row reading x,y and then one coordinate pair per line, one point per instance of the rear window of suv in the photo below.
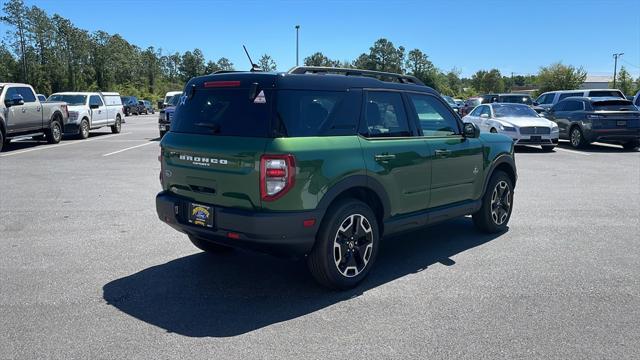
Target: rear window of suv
x,y
282,113
223,112
614,105
606,93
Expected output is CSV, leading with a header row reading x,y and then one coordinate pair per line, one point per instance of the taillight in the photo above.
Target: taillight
x,y
277,176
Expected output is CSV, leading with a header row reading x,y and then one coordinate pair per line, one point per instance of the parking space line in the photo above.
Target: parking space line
x,y
572,151
63,144
129,148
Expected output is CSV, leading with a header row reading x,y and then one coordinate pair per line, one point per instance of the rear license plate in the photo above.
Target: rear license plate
x,y
621,123
535,138
201,215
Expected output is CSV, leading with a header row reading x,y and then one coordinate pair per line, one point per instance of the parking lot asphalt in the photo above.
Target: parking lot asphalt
x,y
88,271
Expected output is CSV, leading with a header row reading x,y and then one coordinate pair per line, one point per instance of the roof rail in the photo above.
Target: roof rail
x,y
380,75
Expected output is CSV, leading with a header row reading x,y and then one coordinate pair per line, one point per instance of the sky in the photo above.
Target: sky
x,y
512,36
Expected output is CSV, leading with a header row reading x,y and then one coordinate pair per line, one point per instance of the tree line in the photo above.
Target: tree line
x,y
53,55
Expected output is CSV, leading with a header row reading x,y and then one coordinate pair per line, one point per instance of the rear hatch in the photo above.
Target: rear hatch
x,y
614,114
218,134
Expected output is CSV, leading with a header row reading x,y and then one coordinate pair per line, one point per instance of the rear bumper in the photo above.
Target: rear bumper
x,y
613,135
279,233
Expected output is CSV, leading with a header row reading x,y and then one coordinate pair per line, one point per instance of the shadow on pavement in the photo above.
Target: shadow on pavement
x,y
595,148
204,295
26,142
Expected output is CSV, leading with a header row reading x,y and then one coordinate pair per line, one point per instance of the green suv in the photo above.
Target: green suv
x,y
324,162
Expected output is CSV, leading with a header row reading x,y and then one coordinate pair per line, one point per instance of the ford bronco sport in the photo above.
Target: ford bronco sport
x,y
322,162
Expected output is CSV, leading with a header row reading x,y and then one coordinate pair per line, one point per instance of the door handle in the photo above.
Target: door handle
x,y
384,157
442,152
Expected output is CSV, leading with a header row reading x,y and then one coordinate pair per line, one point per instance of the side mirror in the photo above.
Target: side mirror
x,y
471,130
484,116
16,100
94,106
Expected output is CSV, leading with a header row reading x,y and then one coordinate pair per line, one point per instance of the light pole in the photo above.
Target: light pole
x,y
297,43
615,67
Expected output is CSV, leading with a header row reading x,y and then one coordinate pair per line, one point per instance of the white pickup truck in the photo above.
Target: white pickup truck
x,y
22,114
91,110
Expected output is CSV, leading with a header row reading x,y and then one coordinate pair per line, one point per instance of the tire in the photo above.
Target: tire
x,y
2,141
208,246
548,148
576,139
54,133
631,145
493,130
83,130
117,127
127,112
162,134
493,217
342,258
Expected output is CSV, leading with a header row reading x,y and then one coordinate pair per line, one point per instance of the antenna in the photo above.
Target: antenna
x,y
254,67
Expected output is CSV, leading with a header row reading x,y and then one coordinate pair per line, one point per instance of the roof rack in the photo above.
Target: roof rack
x,y
380,75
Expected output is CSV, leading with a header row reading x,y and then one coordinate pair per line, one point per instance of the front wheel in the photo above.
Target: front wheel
x,y
208,246
115,128
84,129
497,203
54,133
577,139
346,245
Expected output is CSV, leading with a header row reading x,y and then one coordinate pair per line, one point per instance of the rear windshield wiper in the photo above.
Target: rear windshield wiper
x,y
215,127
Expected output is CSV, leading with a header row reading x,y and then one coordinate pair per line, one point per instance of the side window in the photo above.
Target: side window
x,y
433,116
11,92
561,106
566,95
572,105
27,94
638,100
476,111
385,115
95,100
485,110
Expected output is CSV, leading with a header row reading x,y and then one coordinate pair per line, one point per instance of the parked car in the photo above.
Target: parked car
x,y
41,98
636,100
131,105
169,95
166,114
469,105
548,99
147,107
21,113
91,110
451,103
583,120
459,102
282,163
517,121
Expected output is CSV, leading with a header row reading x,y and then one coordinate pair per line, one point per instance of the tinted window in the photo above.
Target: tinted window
x,y
69,99
637,101
95,100
543,99
433,116
26,93
317,113
516,99
385,115
566,95
606,93
223,112
559,106
573,105
614,105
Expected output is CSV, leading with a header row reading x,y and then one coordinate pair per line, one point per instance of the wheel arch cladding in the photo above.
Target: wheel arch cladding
x,y
361,188
506,164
